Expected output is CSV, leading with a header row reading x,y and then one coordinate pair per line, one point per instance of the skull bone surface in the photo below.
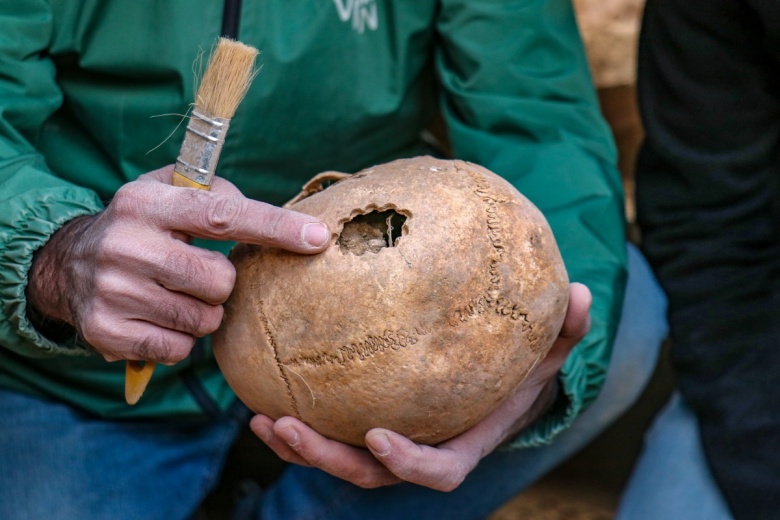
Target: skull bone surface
x,y
442,288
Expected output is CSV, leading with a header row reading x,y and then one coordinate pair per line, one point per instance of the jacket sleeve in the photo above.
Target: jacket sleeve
x,y
34,203
708,200
518,99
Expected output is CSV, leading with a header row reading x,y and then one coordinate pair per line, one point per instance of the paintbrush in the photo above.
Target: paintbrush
x,y
228,75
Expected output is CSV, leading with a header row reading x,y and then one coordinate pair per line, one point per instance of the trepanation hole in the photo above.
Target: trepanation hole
x,y
372,232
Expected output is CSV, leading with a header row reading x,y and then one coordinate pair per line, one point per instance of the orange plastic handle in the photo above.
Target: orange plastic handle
x,y
137,376
138,373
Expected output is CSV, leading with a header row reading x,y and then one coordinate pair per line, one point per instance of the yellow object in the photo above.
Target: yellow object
x,y
183,182
137,376
228,75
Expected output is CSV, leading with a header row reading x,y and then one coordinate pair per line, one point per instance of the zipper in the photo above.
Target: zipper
x,y
231,16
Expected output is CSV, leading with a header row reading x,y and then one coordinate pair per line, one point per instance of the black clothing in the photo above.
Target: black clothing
x,y
708,201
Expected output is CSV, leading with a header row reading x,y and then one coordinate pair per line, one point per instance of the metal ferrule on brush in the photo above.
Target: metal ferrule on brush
x,y
202,146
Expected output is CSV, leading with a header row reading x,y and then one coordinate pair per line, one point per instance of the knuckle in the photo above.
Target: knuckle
x,y
151,347
175,317
91,329
273,226
208,274
128,199
211,321
184,264
180,349
222,278
220,215
99,334
162,348
193,318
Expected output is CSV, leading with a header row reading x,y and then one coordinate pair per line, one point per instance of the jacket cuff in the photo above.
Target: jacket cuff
x,y
32,218
567,405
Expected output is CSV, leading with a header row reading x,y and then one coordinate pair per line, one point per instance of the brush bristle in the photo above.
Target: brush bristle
x,y
228,75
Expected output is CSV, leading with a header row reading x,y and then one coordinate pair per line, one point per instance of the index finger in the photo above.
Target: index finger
x,y
226,214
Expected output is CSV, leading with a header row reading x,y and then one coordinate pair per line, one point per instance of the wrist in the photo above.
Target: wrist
x,y
48,286
548,396
51,328
544,401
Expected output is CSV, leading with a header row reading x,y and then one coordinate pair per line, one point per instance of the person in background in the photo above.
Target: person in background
x,y
708,201
96,265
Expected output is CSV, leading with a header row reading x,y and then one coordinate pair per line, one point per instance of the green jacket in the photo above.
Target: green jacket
x,y
87,89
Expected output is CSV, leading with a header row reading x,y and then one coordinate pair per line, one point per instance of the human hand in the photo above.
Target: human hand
x,y
392,458
129,281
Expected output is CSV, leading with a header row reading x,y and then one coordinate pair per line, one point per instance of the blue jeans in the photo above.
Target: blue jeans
x,y
671,479
57,463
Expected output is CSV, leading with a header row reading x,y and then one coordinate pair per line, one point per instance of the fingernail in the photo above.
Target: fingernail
x,y
316,235
379,444
289,435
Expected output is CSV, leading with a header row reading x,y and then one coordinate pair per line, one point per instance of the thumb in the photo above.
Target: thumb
x,y
576,325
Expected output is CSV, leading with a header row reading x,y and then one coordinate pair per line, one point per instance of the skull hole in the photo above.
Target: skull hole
x,y
372,232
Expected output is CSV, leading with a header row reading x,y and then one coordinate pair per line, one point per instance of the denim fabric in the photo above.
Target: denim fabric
x,y
57,463
672,480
